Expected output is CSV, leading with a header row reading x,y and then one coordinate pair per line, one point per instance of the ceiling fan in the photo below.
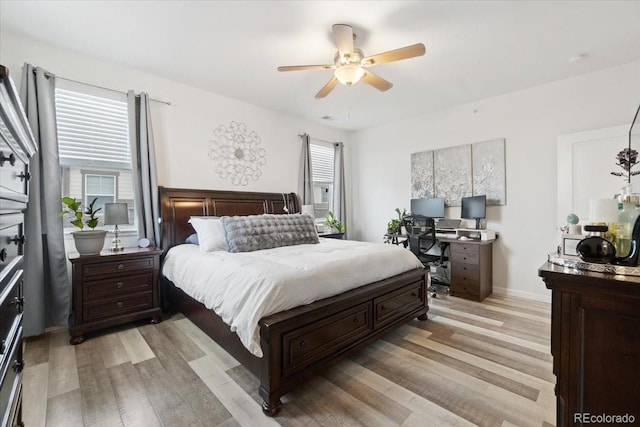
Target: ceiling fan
x,y
351,65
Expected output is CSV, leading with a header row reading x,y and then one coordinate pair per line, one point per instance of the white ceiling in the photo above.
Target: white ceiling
x,y
475,49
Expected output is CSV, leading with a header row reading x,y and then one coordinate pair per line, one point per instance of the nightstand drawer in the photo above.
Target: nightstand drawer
x,y
123,266
118,286
117,306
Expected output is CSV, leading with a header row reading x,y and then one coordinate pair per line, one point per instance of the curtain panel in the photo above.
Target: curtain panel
x,y
143,162
305,182
47,289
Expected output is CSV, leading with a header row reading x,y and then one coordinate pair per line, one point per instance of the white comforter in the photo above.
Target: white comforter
x,y
244,287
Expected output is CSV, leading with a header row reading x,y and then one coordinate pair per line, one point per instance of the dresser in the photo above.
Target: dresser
x,y
17,145
471,268
114,288
595,343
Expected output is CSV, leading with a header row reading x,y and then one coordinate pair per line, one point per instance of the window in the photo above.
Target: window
x,y
322,165
93,144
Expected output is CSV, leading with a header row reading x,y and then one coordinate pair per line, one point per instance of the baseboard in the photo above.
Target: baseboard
x,y
546,297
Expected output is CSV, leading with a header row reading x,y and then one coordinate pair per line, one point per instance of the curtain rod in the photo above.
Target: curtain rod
x,y
321,140
99,87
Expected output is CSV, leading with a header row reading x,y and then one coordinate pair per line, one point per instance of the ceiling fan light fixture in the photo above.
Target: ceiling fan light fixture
x,y
349,74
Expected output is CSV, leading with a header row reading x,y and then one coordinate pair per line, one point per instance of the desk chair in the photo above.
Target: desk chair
x,y
422,237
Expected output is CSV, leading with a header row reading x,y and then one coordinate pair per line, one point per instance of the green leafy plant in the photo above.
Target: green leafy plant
x,y
73,208
395,225
333,222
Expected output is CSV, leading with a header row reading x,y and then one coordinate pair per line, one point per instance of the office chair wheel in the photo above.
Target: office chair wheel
x,y
432,289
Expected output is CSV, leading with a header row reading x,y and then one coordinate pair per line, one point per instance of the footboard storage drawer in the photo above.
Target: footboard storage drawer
x,y
310,343
396,304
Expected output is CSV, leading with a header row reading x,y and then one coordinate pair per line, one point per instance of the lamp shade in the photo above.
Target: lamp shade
x,y
349,74
116,213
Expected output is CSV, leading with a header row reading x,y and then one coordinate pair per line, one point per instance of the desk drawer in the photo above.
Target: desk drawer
x,y
124,266
111,307
470,271
464,248
463,284
396,304
118,286
465,258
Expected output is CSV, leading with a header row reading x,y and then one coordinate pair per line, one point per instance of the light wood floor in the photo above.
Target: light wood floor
x,y
470,364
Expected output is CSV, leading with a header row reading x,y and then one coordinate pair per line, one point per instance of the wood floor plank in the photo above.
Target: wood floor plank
x,y
34,381
135,346
99,407
186,382
63,370
187,348
133,404
111,349
36,350
206,344
64,410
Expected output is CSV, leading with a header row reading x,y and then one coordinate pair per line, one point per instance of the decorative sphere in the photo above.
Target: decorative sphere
x,y
572,218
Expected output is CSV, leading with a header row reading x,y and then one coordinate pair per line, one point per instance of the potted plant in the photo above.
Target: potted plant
x,y
333,222
395,225
88,242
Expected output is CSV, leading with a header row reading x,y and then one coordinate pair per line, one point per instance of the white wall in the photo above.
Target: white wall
x,y
183,130
530,120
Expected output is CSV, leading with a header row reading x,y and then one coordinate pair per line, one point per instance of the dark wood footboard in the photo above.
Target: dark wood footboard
x,y
300,342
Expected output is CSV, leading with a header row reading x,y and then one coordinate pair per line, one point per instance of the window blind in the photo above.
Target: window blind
x,y
92,131
322,162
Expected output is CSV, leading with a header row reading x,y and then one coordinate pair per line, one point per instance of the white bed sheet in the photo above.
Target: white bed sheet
x,y
244,287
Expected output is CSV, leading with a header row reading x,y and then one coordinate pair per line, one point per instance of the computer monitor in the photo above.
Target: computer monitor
x,y
474,208
431,207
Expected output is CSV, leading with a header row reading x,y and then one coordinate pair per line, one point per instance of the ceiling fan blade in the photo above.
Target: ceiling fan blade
x,y
305,67
376,81
395,55
344,39
327,88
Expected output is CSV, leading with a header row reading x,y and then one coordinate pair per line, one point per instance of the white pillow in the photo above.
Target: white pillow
x,y
211,236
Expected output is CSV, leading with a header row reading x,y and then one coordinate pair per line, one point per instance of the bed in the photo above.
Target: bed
x,y
297,343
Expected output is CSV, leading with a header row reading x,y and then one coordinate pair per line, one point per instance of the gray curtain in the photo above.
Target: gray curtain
x,y
143,159
305,183
339,198
46,285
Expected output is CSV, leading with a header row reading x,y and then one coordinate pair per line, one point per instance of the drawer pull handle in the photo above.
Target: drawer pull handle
x,y
120,285
120,267
382,307
303,344
18,365
3,254
24,176
413,294
120,304
17,239
11,158
3,346
356,320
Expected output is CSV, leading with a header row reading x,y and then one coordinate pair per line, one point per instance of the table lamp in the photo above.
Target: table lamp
x,y
114,214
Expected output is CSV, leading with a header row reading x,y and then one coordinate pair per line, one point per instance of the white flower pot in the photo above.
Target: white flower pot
x,y
89,242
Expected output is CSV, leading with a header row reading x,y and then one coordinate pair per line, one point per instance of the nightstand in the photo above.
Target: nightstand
x,y
114,288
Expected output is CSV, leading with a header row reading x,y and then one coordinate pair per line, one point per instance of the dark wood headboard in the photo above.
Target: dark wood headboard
x,y
177,205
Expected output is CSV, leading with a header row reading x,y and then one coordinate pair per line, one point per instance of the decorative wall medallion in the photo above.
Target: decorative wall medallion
x,y
237,153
